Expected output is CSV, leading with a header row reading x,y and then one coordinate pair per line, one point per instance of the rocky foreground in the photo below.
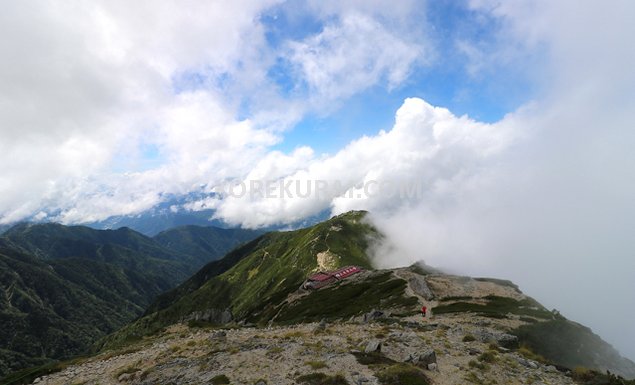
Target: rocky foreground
x,y
469,337
448,349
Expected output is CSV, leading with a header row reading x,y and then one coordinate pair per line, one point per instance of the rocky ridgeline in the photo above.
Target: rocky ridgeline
x,y
449,349
468,337
477,330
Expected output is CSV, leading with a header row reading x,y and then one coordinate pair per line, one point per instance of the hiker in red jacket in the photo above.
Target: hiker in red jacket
x,y
423,310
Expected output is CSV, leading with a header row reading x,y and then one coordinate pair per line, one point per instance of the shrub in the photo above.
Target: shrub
x,y
316,364
321,379
582,374
126,370
374,358
526,352
347,299
221,379
402,374
477,365
497,307
488,357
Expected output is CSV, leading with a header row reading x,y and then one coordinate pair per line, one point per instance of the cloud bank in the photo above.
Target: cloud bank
x,y
107,107
429,151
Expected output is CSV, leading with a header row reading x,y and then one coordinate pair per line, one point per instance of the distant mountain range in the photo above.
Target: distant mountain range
x,y
172,213
160,218
65,286
4,228
156,220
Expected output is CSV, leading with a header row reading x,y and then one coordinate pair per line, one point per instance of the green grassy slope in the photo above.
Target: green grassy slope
x,y
123,248
572,345
203,243
53,240
64,287
343,300
44,315
257,274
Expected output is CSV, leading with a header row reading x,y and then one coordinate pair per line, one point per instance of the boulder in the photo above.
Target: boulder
x,y
484,335
219,335
504,340
423,359
373,346
527,363
426,358
216,316
373,315
419,285
320,327
125,377
507,341
426,327
473,352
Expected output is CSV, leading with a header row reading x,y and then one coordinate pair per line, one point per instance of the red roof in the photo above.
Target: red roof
x,y
320,277
339,274
345,271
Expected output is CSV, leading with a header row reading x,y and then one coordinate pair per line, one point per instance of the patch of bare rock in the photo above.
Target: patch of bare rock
x,y
448,349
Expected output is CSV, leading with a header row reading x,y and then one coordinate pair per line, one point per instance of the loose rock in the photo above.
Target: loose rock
x,y
373,346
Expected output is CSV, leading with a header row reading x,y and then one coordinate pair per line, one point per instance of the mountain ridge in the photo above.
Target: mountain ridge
x,y
384,346
241,290
204,243
288,256
77,284
251,306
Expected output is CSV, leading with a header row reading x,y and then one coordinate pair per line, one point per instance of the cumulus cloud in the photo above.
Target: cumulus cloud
x,y
85,85
425,156
108,106
350,55
553,212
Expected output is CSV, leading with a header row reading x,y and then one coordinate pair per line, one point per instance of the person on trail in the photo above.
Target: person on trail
x,y
423,310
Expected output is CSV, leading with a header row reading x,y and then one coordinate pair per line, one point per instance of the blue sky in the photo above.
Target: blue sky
x,y
449,77
485,95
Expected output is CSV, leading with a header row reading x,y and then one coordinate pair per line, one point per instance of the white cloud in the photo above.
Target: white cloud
x,y
351,55
86,89
83,85
554,212
428,147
